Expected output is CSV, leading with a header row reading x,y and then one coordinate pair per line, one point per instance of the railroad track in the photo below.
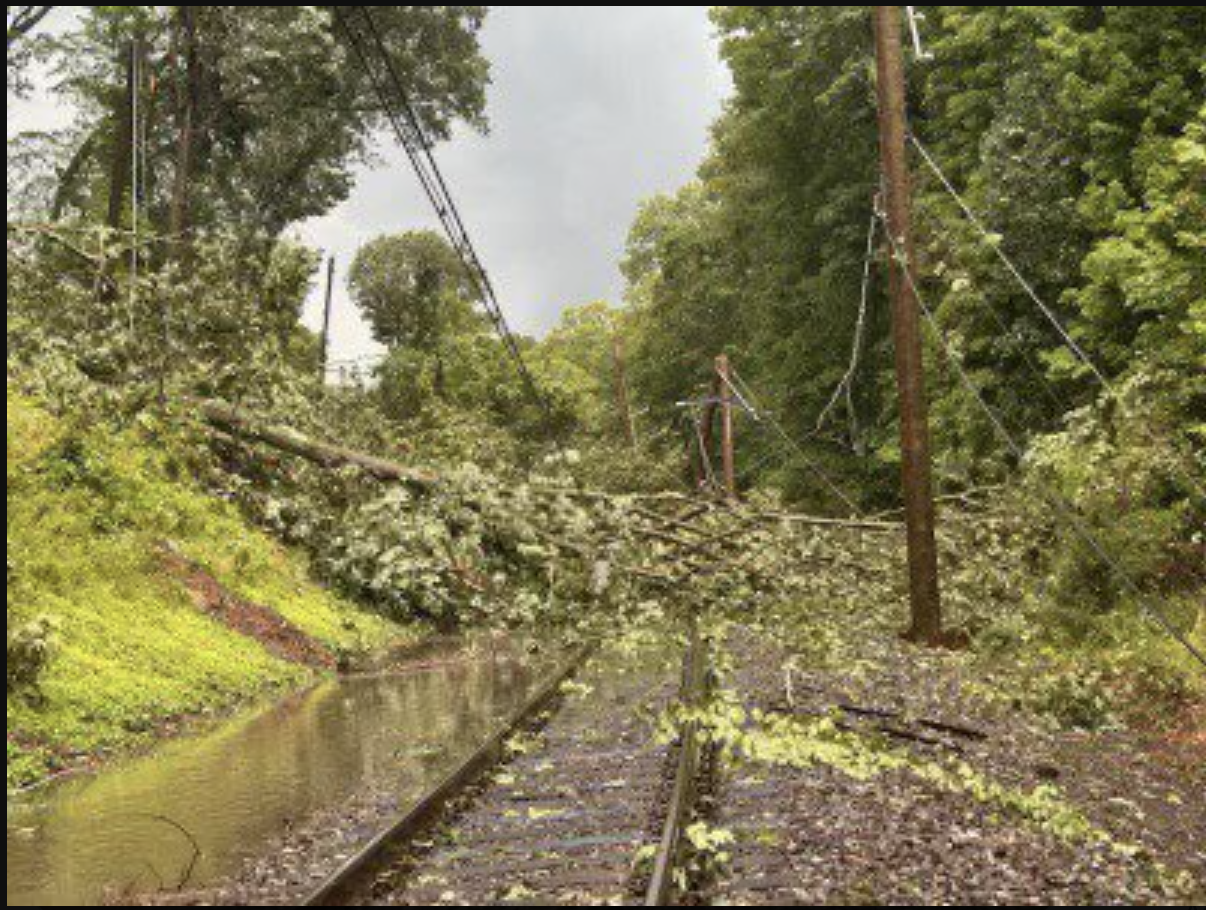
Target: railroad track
x,y
570,801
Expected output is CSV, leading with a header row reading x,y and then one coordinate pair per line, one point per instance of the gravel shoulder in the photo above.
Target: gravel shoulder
x,y
822,831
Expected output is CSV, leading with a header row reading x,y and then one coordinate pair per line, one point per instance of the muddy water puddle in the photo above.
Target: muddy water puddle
x,y
133,827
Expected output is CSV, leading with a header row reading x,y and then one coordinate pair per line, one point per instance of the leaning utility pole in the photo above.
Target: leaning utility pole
x,y
906,330
327,309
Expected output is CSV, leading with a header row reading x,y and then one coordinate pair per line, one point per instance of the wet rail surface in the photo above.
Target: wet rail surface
x,y
578,812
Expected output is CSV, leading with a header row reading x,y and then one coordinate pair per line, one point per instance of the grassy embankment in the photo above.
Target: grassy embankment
x,y
127,589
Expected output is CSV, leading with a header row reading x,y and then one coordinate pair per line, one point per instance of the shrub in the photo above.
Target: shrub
x,y
30,648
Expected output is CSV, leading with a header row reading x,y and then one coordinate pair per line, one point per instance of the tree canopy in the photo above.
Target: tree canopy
x,y
411,288
1074,134
251,117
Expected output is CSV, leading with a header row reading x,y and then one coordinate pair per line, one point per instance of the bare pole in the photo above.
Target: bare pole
x,y
327,310
906,331
724,385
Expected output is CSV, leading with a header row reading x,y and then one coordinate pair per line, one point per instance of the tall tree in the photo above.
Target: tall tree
x,y
764,257
122,156
411,288
186,50
1068,130
256,117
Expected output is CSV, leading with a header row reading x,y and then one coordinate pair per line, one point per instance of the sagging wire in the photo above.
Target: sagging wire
x,y
411,135
1026,286
845,388
692,413
711,482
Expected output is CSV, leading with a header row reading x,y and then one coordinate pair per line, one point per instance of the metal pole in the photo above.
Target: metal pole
x,y
328,306
728,455
906,331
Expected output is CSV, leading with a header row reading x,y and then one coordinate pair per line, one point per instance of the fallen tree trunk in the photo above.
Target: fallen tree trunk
x,y
817,521
229,420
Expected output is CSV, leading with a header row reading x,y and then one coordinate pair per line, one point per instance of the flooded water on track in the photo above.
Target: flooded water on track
x,y
130,828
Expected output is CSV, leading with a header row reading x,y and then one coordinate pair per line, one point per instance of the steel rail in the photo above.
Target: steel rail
x,y
664,886
371,858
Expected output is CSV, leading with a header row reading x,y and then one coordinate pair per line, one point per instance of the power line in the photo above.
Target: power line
x,y
915,18
408,129
705,457
1028,288
763,417
1056,499
363,359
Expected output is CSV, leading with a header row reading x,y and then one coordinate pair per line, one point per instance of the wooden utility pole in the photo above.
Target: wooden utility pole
x,y
906,330
327,309
727,441
623,401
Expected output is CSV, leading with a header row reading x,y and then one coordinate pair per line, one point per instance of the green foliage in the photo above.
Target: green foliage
x,y
23,43
577,363
227,327
109,645
281,110
1132,477
469,372
445,358
772,739
1078,133
475,549
1075,133
1076,700
412,290
1072,132
29,648
762,258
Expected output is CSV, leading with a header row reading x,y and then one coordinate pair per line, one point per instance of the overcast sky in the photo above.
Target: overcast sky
x,y
592,109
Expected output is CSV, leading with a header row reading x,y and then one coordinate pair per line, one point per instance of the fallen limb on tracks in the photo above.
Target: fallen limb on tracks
x,y
229,420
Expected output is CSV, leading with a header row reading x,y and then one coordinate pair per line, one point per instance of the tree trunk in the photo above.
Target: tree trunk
x,y
188,95
623,401
230,420
24,20
69,177
123,142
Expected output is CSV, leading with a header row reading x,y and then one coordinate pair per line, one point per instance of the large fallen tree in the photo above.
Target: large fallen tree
x,y
231,420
